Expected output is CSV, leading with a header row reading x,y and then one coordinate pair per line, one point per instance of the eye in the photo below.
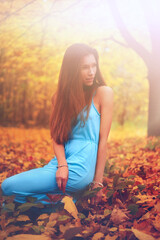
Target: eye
x,y
94,65
84,67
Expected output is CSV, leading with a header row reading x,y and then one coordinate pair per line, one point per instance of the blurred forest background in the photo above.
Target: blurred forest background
x,y
34,36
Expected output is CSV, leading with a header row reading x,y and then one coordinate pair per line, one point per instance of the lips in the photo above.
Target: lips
x,y
90,79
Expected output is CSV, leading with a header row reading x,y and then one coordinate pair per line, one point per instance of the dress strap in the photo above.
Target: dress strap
x,y
94,93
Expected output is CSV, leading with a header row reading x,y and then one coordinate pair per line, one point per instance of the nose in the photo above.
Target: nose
x,y
91,71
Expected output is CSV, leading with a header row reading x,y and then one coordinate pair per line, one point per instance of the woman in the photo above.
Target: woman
x,y
80,123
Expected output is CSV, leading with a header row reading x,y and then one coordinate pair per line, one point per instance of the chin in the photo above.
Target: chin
x,y
88,84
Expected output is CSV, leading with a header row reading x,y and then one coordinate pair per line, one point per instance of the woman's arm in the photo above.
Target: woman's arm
x,y
106,106
60,153
62,171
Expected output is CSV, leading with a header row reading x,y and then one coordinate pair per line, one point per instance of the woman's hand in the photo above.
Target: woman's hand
x,y
97,198
62,178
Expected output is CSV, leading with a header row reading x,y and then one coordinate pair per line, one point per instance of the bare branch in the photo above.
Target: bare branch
x,y
142,52
15,12
43,18
110,39
152,15
120,43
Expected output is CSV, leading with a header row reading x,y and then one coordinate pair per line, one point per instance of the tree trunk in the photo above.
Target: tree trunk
x,y
154,100
151,59
23,103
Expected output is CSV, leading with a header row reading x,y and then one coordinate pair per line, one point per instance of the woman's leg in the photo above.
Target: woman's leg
x,y
35,183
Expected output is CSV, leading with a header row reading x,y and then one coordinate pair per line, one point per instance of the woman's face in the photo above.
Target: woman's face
x,y
88,69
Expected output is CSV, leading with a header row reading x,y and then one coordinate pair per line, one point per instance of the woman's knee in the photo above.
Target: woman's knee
x,y
6,187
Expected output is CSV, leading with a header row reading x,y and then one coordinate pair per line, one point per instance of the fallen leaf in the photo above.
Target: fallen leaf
x,y
145,217
53,216
141,235
156,223
70,206
157,207
3,235
29,236
119,215
107,212
51,223
40,222
97,236
113,229
111,238
71,232
64,218
43,216
23,218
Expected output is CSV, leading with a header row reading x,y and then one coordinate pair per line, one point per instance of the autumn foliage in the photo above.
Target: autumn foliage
x,y
129,209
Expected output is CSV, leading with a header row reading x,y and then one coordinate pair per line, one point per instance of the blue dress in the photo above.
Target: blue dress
x,y
81,155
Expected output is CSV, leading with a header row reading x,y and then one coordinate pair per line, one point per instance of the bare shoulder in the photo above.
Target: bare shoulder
x,y
105,95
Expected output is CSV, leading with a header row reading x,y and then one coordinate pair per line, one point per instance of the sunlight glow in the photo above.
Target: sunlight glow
x,y
74,20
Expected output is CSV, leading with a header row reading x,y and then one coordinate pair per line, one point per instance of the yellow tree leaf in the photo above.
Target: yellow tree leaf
x,y
70,206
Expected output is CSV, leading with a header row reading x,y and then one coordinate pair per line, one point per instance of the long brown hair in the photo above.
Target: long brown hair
x,y
71,96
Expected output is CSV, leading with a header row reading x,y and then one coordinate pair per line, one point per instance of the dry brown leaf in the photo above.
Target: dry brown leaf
x,y
113,229
23,218
3,235
29,236
156,223
111,238
157,207
97,236
70,206
119,215
3,176
141,235
12,229
51,224
145,216
63,227
40,222
53,216
43,216
119,203
144,226
71,232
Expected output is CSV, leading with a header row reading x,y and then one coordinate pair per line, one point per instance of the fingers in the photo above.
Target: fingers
x,y
62,178
95,201
61,182
63,185
97,198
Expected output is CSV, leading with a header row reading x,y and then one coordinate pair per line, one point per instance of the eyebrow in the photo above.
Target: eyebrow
x,y
86,65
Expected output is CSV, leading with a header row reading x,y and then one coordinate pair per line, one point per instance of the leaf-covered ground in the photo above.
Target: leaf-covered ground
x,y
130,207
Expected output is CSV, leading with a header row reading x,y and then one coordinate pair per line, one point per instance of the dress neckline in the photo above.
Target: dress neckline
x,y
92,104
95,107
